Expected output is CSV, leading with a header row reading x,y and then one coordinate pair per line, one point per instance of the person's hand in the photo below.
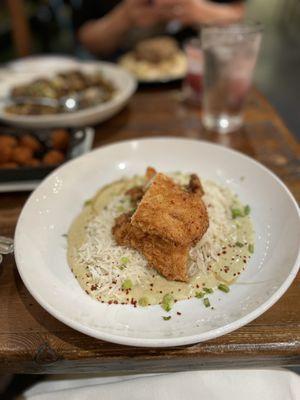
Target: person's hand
x,y
141,13
188,12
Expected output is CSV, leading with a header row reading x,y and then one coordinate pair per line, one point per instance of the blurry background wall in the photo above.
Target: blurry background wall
x,y
278,70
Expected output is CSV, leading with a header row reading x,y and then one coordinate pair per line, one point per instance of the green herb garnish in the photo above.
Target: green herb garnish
x,y
167,302
143,302
247,210
236,212
88,202
208,290
127,284
206,302
124,260
239,244
167,318
251,248
199,295
224,288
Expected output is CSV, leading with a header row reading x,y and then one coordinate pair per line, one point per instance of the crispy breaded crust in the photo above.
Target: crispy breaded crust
x,y
168,258
168,211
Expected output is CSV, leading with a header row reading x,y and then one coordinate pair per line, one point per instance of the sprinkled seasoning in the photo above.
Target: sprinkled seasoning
x,y
143,302
127,284
236,212
224,288
247,210
206,302
167,302
167,318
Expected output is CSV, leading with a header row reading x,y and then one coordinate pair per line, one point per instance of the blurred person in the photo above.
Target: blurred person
x,y
106,26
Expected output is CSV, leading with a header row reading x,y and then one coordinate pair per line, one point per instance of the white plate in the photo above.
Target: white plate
x,y
40,248
123,81
39,63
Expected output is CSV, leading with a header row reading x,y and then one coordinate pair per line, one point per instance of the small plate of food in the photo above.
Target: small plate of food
x,y
132,247
83,95
156,60
27,156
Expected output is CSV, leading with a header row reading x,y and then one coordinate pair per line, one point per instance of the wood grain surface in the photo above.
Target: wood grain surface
x,y
31,341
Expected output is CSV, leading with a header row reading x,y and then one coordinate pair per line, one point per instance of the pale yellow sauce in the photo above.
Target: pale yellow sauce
x,y
232,260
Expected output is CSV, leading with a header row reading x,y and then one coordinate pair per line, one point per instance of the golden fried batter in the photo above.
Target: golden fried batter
x,y
170,212
168,258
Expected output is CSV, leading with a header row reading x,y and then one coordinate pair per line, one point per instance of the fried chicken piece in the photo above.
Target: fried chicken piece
x,y
195,186
8,141
53,157
21,155
5,154
170,212
31,142
168,258
60,139
150,173
137,192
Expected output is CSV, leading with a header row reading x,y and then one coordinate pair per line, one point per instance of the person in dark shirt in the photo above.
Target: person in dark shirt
x,y
105,26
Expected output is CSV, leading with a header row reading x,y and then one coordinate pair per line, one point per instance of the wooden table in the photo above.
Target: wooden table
x,y
32,341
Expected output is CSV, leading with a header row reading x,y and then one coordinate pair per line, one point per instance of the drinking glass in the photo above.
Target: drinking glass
x,y
230,54
193,83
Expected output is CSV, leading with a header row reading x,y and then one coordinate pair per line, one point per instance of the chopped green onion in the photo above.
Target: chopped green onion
x,y
206,302
208,290
167,318
88,202
121,267
239,244
236,212
223,288
199,295
251,248
167,302
143,301
247,210
127,284
124,260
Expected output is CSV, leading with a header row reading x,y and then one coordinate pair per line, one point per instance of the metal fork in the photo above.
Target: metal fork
x,y
6,246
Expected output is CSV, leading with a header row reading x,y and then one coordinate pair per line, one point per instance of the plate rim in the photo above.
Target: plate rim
x,y
161,342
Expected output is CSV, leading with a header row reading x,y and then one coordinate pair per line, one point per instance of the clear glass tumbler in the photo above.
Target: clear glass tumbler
x,y
192,86
230,54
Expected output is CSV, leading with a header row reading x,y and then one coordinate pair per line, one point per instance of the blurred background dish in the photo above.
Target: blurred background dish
x,y
27,156
123,83
156,60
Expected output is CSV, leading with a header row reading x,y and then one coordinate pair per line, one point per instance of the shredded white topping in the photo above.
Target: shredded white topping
x,y
109,265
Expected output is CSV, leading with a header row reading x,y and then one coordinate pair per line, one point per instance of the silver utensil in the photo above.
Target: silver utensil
x,y
67,103
6,246
71,103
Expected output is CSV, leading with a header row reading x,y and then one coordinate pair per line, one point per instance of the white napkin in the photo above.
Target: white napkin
x,y
264,384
